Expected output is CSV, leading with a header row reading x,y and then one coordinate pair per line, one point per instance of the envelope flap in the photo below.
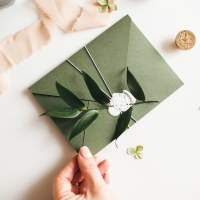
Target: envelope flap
x,y
109,51
154,75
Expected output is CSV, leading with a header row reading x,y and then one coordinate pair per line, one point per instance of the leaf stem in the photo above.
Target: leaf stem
x,y
116,143
142,102
84,130
83,138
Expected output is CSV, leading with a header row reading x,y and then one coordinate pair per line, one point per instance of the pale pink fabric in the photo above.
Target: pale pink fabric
x,y
64,14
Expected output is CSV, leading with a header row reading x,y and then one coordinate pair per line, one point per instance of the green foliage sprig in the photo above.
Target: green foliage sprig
x,y
86,117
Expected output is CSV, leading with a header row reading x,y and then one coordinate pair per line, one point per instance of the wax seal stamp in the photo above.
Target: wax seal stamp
x,y
185,40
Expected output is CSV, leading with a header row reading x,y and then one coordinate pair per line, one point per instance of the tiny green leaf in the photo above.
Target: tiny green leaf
x,y
112,6
64,113
96,92
134,87
104,8
123,122
85,121
69,98
138,155
139,148
131,151
103,2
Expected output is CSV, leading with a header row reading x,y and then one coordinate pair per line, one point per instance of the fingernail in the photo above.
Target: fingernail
x,y
85,152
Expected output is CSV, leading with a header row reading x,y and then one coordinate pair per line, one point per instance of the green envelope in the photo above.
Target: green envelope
x,y
121,46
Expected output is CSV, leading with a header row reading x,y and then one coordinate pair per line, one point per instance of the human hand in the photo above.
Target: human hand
x,y
90,174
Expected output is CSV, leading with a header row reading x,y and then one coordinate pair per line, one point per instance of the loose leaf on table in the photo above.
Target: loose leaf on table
x,y
123,122
112,6
138,155
85,121
134,86
64,113
70,98
131,151
139,148
135,152
104,8
96,92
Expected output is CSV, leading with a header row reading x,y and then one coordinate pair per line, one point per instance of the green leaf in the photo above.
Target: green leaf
x,y
134,87
104,8
70,98
112,6
97,93
138,155
103,2
139,148
64,113
85,121
131,151
123,122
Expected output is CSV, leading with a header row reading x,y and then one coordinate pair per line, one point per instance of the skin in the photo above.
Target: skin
x,y
84,178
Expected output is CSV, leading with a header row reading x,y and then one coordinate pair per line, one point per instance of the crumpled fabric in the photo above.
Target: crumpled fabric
x,y
66,15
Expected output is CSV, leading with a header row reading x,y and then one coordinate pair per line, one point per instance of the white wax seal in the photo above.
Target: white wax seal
x,y
120,102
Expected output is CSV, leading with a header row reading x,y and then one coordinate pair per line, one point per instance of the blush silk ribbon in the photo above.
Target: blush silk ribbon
x,y
66,15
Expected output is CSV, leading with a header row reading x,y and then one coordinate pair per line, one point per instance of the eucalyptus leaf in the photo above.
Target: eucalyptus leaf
x,y
134,86
123,122
84,122
63,113
97,93
70,98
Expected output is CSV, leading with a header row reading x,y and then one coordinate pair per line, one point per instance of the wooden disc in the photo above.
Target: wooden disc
x,y
185,40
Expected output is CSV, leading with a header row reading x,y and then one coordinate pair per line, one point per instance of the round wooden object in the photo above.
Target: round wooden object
x,y
185,40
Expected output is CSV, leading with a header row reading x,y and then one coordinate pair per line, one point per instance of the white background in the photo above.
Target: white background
x,y
33,150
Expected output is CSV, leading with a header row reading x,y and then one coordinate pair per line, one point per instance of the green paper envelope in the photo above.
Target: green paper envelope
x,y
120,46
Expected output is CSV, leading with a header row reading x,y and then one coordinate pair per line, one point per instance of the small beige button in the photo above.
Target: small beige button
x,y
185,40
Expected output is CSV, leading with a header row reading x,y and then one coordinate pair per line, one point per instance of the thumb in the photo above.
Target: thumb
x,y
89,169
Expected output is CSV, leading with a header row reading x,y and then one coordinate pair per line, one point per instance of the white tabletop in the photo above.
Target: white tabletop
x,y
33,150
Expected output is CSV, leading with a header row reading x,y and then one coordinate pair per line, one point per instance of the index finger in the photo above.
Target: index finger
x,y
69,170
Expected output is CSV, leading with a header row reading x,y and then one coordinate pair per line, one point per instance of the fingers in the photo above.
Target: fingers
x,y
91,173
82,186
106,178
62,182
89,169
69,170
78,177
103,166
